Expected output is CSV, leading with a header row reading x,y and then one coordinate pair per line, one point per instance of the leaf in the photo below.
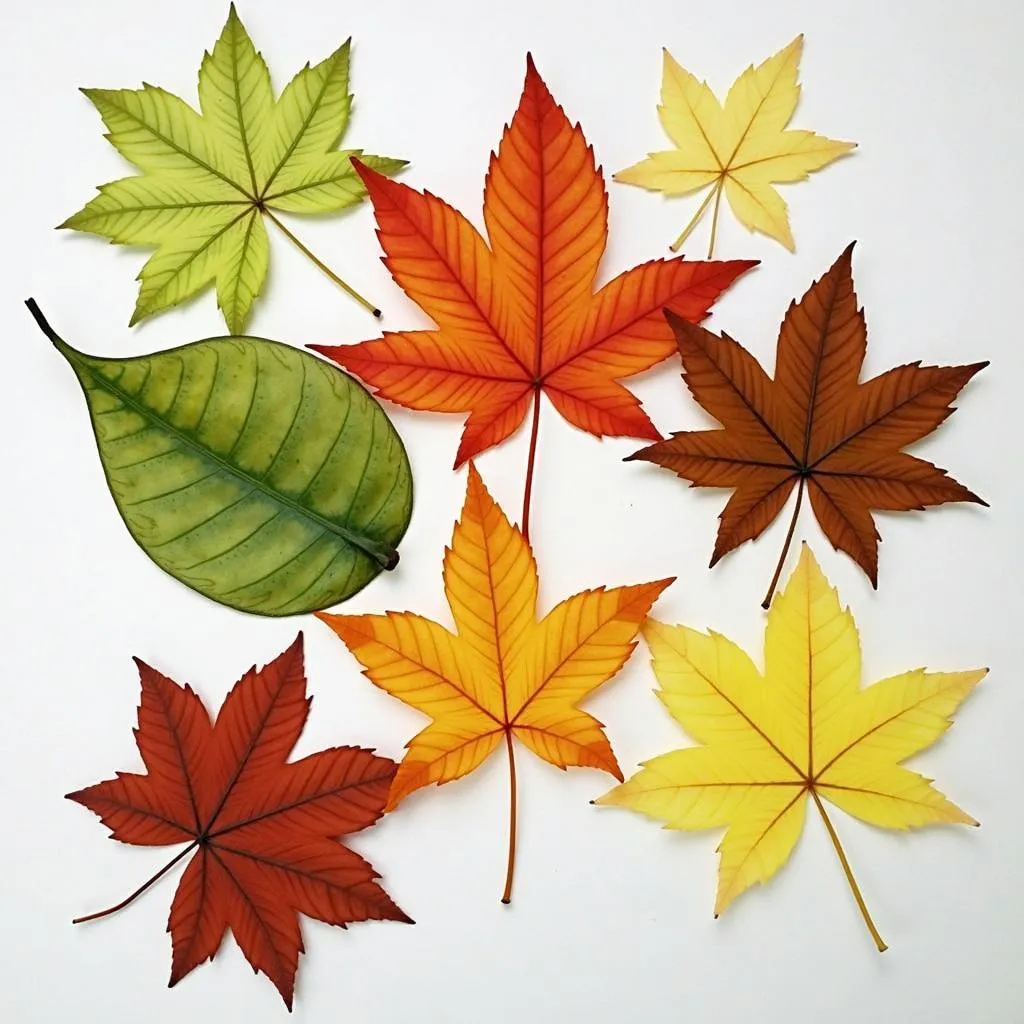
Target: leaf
x,y
501,675
262,830
803,729
209,179
813,427
518,316
254,473
740,148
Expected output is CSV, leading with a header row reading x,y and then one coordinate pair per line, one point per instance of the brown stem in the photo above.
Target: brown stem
x,y
785,547
365,303
141,889
714,217
686,232
531,460
506,896
882,947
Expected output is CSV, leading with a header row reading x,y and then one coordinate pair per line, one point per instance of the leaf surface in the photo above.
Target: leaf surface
x,y
518,314
741,147
803,729
210,178
502,675
263,831
814,428
251,471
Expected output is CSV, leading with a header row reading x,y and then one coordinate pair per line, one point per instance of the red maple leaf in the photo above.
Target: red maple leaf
x,y
262,831
517,315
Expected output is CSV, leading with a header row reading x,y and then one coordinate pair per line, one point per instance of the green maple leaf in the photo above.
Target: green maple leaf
x,y
210,179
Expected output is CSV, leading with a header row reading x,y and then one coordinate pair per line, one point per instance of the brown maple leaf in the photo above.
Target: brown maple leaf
x,y
814,427
263,830
518,315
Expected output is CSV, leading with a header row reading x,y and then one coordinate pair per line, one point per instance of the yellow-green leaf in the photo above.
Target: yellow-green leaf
x,y
209,179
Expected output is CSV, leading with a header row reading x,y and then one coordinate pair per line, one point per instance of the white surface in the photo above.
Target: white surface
x,y
612,917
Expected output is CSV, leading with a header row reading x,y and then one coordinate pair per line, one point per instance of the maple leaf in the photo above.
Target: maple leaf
x,y
502,675
813,427
520,317
209,179
740,148
804,729
263,830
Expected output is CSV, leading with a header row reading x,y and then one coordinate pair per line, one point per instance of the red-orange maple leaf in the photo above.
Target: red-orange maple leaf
x,y
263,830
519,316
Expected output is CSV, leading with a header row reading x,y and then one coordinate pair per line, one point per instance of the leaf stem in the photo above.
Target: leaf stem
x,y
882,947
714,217
365,303
44,326
141,889
531,461
506,896
688,230
785,547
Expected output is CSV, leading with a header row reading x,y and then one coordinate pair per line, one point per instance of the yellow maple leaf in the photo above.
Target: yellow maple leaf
x,y
502,674
804,729
740,148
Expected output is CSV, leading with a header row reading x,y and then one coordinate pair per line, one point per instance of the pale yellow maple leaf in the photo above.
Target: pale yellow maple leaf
x,y
802,730
741,148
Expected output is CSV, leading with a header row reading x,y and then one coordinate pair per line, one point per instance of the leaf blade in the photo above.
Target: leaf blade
x,y
200,467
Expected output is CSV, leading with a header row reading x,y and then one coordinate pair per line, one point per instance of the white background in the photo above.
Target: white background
x,y
611,919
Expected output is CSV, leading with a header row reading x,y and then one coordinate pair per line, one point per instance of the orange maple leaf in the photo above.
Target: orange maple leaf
x,y
520,316
815,427
502,674
262,830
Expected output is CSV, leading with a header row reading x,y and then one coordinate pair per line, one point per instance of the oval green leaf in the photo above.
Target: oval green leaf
x,y
251,471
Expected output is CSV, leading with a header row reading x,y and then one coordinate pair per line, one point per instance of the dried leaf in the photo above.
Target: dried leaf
x,y
502,675
262,830
804,729
520,317
813,427
740,148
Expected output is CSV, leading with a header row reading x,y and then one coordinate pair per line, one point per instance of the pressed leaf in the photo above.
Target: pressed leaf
x,y
804,729
263,831
814,427
209,179
741,147
501,675
256,474
518,315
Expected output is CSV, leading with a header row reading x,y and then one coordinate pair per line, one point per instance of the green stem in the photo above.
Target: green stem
x,y
688,230
365,303
714,218
882,947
